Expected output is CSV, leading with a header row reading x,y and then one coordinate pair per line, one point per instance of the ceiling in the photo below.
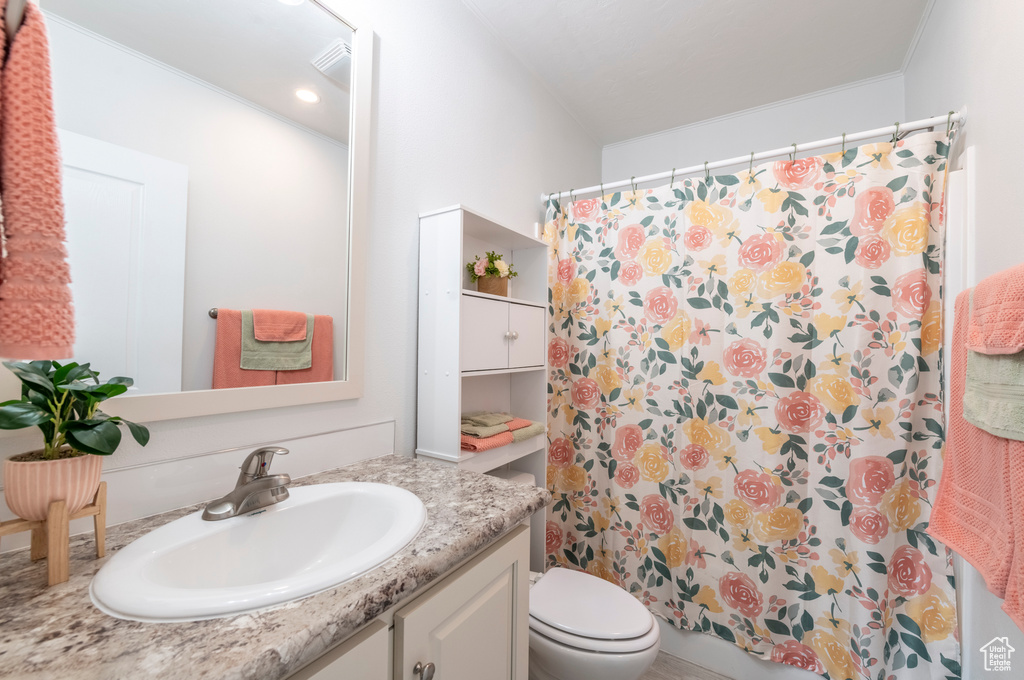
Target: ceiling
x,y
627,68
259,50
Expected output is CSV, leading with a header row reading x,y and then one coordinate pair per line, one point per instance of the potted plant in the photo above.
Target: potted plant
x,y
63,402
491,274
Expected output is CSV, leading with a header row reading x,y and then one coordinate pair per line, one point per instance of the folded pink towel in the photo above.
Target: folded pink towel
x,y
997,313
518,423
275,325
477,444
322,368
36,317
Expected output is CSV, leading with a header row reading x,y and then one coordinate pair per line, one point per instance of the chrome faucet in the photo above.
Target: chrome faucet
x,y
255,488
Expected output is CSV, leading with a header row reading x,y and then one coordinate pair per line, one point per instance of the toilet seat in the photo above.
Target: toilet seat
x,y
584,612
587,644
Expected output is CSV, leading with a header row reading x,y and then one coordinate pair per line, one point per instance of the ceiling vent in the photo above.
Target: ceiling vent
x,y
336,62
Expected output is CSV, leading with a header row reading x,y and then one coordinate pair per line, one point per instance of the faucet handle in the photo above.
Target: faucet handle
x,y
257,463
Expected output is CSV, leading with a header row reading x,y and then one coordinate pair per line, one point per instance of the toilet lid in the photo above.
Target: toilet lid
x,y
584,605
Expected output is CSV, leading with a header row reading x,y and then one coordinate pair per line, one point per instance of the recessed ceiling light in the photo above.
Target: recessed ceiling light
x,y
291,2
307,96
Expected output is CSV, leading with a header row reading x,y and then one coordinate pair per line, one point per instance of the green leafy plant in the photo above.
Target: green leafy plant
x,y
492,266
63,401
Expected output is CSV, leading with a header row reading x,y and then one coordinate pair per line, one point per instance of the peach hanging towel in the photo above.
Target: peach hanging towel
x,y
36,316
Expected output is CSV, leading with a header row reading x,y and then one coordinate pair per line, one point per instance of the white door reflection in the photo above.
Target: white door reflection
x,y
126,216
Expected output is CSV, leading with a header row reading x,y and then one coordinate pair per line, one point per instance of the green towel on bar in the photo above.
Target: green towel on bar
x,y
994,393
275,356
474,430
487,418
527,432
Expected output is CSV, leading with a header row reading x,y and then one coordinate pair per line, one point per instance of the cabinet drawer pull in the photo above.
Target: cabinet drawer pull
x,y
424,672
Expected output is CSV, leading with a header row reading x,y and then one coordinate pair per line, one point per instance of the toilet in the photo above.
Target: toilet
x,y
584,628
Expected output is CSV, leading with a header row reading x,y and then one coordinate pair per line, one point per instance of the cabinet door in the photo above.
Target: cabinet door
x,y
366,655
474,624
527,347
484,324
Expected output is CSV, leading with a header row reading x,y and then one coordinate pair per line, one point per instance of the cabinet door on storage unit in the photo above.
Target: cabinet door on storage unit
x,y
527,327
473,625
484,325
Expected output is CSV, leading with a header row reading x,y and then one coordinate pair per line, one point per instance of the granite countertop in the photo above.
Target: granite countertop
x,y
57,632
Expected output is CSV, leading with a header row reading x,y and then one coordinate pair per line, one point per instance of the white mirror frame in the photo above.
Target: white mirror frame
x,y
153,407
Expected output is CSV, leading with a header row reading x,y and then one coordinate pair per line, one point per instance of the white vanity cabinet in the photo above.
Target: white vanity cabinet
x,y
471,625
497,335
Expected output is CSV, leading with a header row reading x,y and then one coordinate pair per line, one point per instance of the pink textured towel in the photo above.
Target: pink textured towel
x,y
485,444
322,368
975,513
227,355
36,317
518,423
997,314
276,325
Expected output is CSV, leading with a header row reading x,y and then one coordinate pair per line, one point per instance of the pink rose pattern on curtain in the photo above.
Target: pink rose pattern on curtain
x,y
745,411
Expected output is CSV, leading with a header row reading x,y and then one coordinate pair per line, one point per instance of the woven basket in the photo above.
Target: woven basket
x,y
493,285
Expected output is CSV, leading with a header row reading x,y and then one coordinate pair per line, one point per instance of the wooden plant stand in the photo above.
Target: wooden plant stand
x,y
51,539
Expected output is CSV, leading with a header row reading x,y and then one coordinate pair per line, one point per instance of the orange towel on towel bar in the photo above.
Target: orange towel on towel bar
x,y
322,368
228,351
227,354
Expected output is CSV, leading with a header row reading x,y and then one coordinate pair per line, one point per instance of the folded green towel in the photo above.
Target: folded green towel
x,y
994,393
487,418
275,356
527,432
470,428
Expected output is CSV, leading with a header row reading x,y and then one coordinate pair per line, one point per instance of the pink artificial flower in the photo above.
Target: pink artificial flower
x,y
480,268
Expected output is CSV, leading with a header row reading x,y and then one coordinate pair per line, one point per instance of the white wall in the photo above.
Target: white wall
x,y
265,216
852,108
970,54
459,120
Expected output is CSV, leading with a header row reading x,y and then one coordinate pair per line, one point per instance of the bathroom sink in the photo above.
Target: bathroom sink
x,y
321,536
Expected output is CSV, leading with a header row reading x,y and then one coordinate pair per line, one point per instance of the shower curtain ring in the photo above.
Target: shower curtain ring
x,y
633,183
673,181
572,199
844,143
895,135
602,191
949,122
750,170
792,156
707,175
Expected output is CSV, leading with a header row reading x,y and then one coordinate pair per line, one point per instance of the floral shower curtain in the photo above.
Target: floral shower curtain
x,y
745,406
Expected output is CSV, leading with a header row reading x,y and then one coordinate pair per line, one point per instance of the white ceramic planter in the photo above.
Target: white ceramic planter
x,y
30,487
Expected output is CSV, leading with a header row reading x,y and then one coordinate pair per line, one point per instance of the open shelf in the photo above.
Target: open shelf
x,y
485,461
502,371
504,298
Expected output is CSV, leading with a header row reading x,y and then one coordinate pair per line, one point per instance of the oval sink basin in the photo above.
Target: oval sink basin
x,y
322,535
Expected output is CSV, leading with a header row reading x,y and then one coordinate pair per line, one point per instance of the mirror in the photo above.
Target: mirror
x,y
210,151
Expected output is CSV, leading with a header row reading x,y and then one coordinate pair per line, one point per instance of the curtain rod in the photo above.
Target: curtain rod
x,y
949,119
